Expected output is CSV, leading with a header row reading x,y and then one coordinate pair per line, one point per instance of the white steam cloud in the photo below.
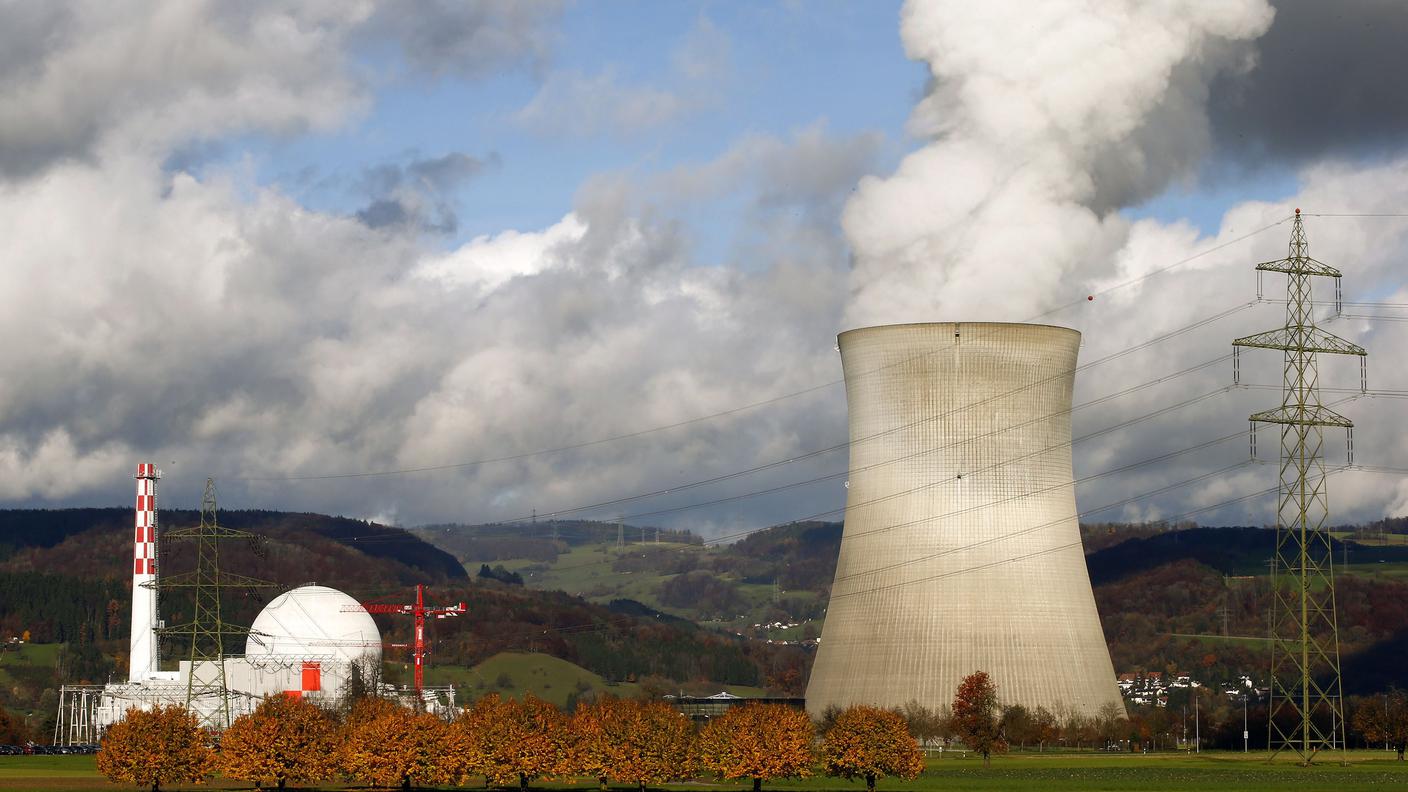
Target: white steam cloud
x,y
1045,119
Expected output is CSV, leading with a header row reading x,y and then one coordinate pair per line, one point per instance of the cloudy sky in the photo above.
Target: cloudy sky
x,y
530,256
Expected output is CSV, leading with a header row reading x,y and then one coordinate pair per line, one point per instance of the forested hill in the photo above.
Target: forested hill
x,y
69,541
65,574
1170,596
540,540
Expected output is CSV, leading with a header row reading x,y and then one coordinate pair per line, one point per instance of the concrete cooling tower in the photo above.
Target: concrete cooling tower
x,y
961,550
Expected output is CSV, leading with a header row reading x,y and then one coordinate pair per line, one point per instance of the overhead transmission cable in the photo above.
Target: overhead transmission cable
x,y
936,449
746,407
1125,501
927,419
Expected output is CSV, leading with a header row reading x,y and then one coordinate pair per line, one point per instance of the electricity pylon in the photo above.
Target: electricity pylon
x,y
207,693
1306,711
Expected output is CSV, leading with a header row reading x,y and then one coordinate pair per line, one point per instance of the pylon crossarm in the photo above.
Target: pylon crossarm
x,y
211,532
1309,415
191,628
1300,265
1303,338
225,580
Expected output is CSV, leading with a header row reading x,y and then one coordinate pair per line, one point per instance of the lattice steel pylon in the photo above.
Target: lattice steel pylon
x,y
1306,710
207,692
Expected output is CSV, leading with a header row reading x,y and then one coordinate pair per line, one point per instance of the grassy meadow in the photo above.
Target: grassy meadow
x,y
549,678
1029,772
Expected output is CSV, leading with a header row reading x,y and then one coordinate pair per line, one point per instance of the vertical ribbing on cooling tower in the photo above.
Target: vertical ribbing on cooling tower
x,y
143,650
961,550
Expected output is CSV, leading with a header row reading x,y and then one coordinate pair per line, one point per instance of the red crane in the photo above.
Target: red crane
x,y
419,611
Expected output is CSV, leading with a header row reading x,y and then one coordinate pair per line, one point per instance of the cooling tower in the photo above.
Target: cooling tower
x,y
961,550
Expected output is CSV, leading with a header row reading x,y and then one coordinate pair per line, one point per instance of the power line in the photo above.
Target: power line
x,y
1048,551
929,419
1124,468
746,407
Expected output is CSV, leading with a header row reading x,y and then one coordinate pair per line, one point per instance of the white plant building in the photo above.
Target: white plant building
x,y
303,643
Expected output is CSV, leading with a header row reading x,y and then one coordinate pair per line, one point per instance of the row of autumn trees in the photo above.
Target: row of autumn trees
x,y
506,742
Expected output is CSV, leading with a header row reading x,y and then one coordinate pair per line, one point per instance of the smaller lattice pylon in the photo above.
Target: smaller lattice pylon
x,y
207,689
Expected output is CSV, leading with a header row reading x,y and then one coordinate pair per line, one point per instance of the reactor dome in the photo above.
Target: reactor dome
x,y
311,622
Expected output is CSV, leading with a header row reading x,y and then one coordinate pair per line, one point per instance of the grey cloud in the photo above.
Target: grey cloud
x,y
85,78
1328,81
810,175
88,74
468,38
420,193
387,213
573,103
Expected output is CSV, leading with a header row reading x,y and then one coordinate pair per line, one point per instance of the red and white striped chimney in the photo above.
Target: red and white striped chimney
x,y
143,660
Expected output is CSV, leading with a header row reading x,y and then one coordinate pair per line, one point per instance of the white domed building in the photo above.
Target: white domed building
x,y
314,621
304,643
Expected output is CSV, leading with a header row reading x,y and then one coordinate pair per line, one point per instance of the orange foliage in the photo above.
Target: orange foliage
x,y
638,742
284,739
509,741
592,728
385,744
870,743
652,743
758,741
156,746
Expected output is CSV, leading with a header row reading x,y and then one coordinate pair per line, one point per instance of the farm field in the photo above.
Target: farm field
x,y
28,655
587,571
1215,771
549,678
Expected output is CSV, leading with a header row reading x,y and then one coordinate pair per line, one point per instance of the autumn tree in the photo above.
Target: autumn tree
x,y
650,743
386,744
975,716
870,743
157,746
284,739
509,741
593,730
758,741
1385,720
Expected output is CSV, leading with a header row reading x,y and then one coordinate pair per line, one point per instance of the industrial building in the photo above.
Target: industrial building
x,y
961,550
303,643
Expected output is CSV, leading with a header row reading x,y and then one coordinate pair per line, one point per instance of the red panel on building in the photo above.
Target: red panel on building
x,y
312,676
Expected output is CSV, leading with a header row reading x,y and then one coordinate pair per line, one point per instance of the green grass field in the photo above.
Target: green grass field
x,y
33,655
547,677
586,571
1213,771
